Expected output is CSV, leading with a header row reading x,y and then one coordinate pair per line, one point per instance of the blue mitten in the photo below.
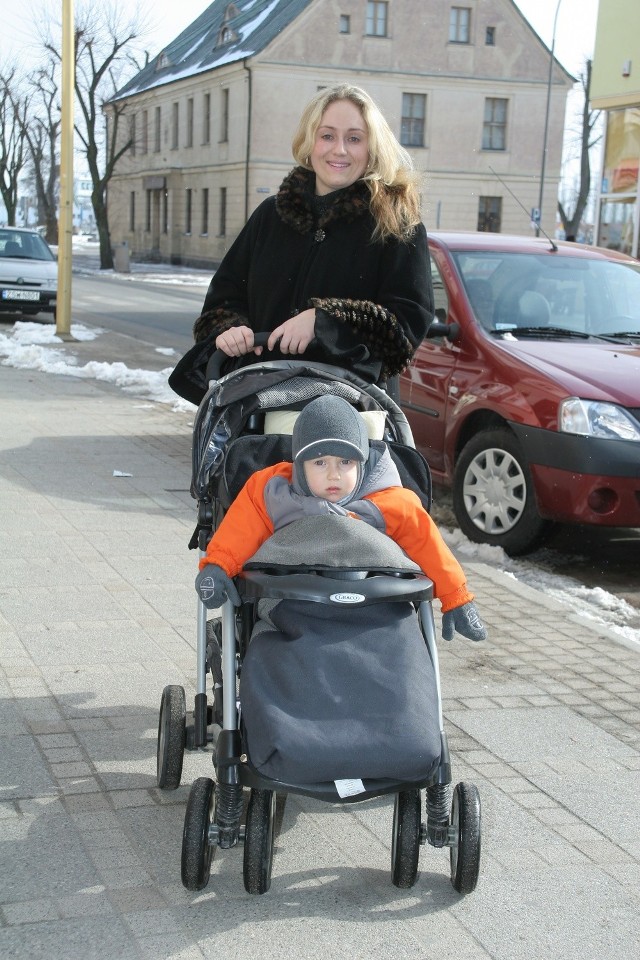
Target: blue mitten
x,y
214,586
465,620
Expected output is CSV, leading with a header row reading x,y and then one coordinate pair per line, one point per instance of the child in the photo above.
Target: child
x,y
336,471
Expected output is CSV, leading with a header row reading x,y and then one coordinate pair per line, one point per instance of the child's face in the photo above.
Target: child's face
x,y
331,478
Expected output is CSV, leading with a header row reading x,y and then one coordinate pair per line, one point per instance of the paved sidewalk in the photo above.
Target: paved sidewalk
x,y
97,614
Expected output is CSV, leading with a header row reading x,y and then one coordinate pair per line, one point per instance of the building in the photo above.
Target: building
x,y
210,120
615,88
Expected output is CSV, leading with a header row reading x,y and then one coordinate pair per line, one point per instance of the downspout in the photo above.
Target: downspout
x,y
248,142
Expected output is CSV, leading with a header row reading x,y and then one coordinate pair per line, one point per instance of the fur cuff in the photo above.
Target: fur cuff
x,y
216,321
378,328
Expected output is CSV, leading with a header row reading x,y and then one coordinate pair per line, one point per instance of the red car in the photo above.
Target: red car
x,y
525,395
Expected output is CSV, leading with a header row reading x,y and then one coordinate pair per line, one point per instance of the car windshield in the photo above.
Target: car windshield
x,y
520,293
24,245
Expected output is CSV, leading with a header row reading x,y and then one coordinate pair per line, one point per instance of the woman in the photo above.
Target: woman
x,y
336,265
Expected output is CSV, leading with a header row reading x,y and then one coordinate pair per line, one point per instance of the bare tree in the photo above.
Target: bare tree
x,y
42,130
586,139
13,112
103,41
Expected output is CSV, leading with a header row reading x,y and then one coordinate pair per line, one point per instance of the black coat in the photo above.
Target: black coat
x,y
373,300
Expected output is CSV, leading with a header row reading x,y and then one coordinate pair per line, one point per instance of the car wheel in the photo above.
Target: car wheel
x,y
493,494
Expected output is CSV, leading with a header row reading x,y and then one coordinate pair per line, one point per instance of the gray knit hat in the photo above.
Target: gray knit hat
x,y
330,427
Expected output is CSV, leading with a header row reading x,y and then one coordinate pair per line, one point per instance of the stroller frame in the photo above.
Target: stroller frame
x,y
215,808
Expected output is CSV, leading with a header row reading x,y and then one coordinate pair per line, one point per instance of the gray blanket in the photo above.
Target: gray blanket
x,y
332,694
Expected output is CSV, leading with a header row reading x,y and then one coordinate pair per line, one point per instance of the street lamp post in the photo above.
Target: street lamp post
x,y
65,219
546,120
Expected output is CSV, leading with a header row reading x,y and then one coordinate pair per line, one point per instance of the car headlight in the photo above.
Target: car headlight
x,y
594,418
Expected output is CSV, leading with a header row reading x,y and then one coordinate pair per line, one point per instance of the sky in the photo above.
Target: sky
x,y
574,34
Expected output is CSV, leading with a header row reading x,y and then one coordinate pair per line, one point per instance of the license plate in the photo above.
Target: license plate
x,y
20,295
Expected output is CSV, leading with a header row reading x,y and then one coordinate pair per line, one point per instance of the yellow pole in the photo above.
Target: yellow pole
x,y
65,220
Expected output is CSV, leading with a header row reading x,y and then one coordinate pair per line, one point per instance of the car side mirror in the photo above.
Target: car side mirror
x,y
440,328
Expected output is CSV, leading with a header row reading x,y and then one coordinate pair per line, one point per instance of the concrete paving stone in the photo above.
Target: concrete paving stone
x,y
89,903
33,911
24,773
82,938
553,732
71,785
168,947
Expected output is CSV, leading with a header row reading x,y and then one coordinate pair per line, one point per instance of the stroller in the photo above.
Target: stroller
x,y
231,440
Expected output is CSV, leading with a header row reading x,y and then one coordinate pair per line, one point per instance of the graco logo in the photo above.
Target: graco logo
x,y
347,597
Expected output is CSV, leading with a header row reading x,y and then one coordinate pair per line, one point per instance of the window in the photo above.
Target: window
x,y
412,123
157,131
132,134
490,37
377,18
144,142
459,24
165,211
189,142
205,212
494,130
147,214
132,211
206,119
222,231
187,210
175,126
224,116
490,214
345,23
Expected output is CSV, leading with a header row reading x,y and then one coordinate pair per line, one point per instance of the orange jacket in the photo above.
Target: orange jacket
x,y
247,525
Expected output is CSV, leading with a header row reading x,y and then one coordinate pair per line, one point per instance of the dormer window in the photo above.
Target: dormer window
x,y
226,35
163,61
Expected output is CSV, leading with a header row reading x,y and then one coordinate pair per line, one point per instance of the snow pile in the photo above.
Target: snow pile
x,y
32,346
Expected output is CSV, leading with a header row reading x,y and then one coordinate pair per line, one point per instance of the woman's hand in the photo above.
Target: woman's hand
x,y
236,341
295,334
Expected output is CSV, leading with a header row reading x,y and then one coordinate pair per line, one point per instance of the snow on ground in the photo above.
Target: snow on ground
x,y
35,346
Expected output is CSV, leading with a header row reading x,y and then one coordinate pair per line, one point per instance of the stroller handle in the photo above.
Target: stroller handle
x,y
218,357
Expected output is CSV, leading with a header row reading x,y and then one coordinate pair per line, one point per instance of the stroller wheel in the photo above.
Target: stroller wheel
x,y
197,852
405,846
171,737
465,850
258,841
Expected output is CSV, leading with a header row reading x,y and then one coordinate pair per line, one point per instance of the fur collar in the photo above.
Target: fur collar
x,y
295,202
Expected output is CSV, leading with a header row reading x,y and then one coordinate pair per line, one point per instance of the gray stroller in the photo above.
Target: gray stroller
x,y
350,727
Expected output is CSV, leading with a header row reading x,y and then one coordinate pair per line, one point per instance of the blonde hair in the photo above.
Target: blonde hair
x,y
390,176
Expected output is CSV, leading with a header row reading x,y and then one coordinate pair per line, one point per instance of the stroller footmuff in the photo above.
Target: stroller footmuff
x,y
340,691
326,680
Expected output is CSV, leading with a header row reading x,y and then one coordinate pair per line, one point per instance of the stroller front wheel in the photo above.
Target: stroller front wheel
x,y
465,848
405,846
171,737
259,841
197,852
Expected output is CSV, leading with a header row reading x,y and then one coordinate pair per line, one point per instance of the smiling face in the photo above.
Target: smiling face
x,y
331,478
341,150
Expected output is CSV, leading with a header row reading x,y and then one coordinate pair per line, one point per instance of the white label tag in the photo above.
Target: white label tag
x,y
349,788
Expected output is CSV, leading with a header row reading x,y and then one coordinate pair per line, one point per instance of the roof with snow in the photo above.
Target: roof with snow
x,y
223,33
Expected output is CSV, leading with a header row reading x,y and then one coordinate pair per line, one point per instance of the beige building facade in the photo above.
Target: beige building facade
x,y
463,86
615,88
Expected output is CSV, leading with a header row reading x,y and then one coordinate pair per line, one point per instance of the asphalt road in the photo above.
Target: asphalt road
x,y
157,312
